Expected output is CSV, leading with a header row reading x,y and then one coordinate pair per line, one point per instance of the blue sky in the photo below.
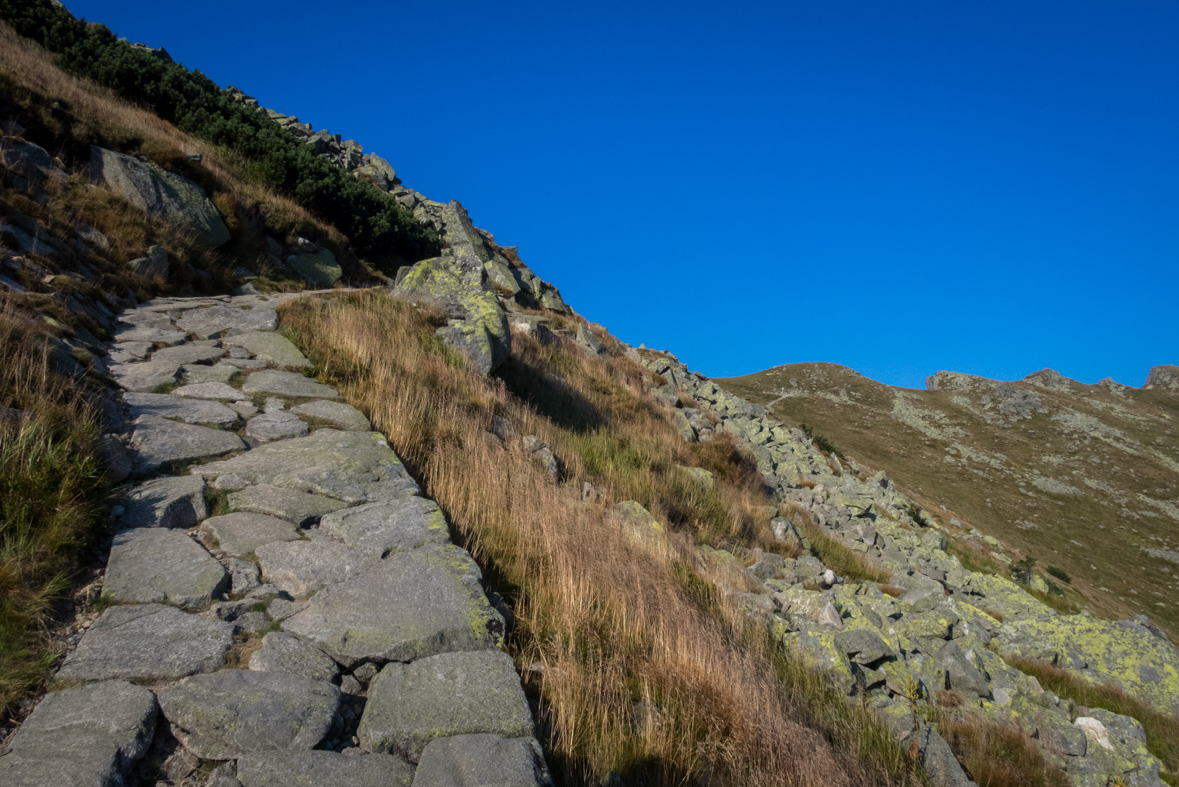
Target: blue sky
x,y
901,187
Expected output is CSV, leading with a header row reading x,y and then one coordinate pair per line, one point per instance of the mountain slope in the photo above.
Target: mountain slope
x,y
1083,477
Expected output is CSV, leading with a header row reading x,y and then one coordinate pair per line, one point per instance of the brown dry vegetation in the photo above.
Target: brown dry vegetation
x,y
997,756
66,114
641,665
50,485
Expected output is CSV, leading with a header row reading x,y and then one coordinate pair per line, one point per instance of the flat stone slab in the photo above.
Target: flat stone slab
x,y
356,467
191,411
187,353
144,375
432,603
409,705
287,384
170,501
303,567
211,322
148,642
241,533
300,508
195,374
273,348
344,416
389,526
223,715
162,442
275,426
150,335
88,735
320,768
482,760
152,564
130,351
210,390
281,652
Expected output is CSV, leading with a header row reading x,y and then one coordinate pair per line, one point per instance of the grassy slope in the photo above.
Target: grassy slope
x,y
644,668
1111,573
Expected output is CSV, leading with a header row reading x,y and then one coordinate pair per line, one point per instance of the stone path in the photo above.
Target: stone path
x,y
284,602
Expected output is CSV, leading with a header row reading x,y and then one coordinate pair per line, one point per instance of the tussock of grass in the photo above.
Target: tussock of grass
x,y
50,485
648,670
1162,731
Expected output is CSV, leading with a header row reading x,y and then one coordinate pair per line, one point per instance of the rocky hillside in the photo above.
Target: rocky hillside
x,y
436,528
1085,478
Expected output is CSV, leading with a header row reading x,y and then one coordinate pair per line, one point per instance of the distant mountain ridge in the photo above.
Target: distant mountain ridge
x,y
1082,477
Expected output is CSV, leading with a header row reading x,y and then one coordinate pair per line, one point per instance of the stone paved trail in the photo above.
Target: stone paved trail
x,y
321,629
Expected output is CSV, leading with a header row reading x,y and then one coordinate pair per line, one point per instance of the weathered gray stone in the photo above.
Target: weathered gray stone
x,y
244,575
144,375
241,533
210,322
287,384
301,508
961,672
435,605
319,267
273,348
482,760
170,501
195,374
210,390
163,194
863,646
275,426
187,353
191,411
150,335
320,768
115,458
223,715
390,526
356,467
161,442
148,642
152,564
83,736
343,416
303,567
283,653
409,705
153,266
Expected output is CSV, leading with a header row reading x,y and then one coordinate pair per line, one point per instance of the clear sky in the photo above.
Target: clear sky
x,y
901,187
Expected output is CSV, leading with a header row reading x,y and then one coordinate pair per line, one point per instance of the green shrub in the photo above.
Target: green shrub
x,y
380,230
1060,574
821,442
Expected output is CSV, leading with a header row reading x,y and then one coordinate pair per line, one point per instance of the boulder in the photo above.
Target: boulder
x,y
435,605
320,768
153,564
30,165
482,759
165,502
319,267
283,653
87,735
148,642
153,266
223,715
476,325
355,467
390,526
161,194
241,533
409,705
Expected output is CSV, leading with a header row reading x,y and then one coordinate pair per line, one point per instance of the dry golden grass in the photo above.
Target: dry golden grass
x,y
50,485
837,555
642,666
996,756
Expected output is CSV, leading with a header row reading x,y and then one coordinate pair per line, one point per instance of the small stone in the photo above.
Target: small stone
x,y
301,508
166,502
350,685
241,533
160,565
281,652
229,482
221,373
243,574
275,426
341,415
